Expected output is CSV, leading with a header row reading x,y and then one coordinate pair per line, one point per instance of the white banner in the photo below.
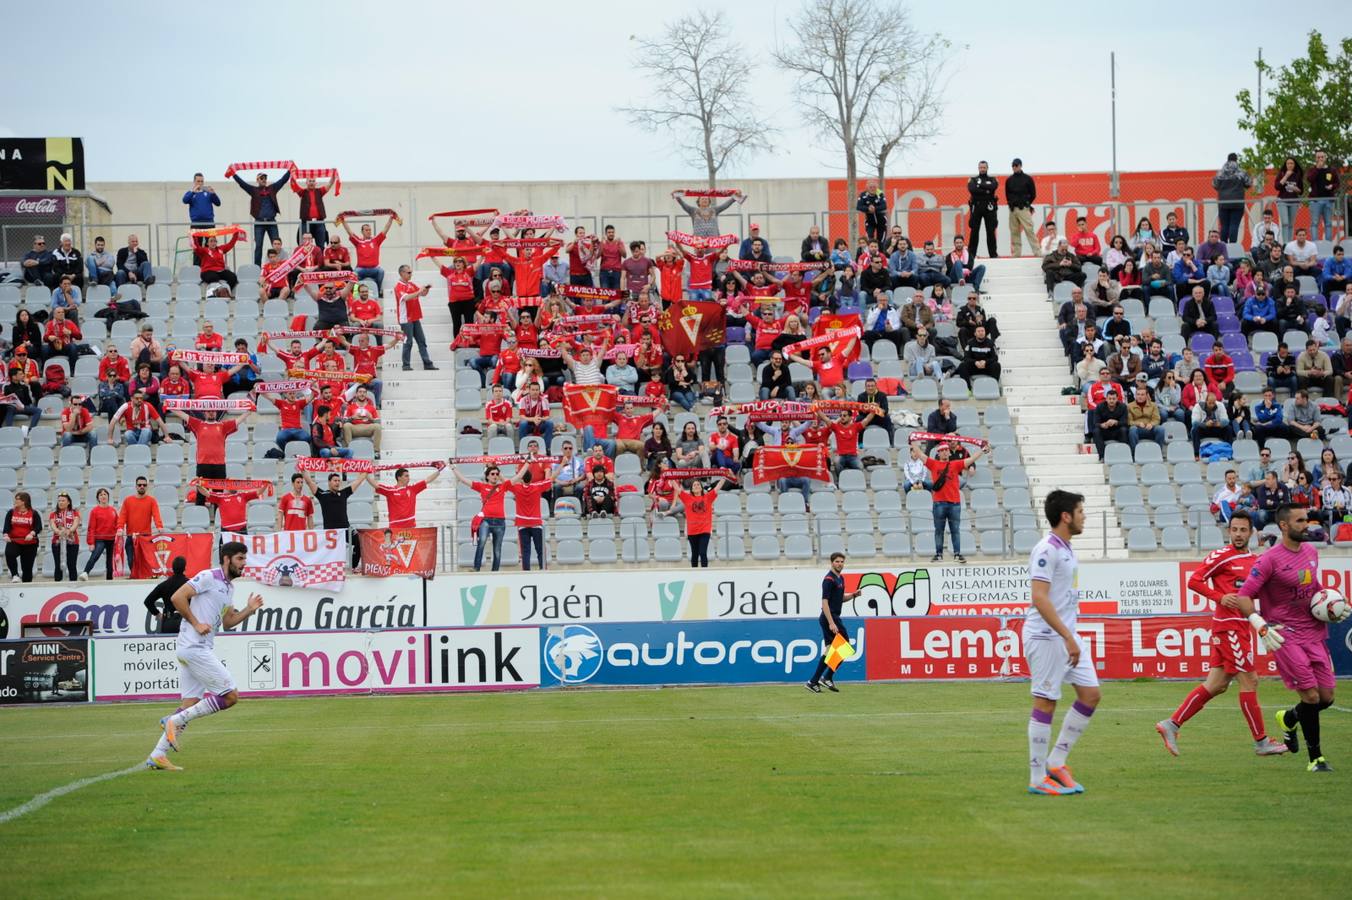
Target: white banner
x,y
310,559
395,661
116,608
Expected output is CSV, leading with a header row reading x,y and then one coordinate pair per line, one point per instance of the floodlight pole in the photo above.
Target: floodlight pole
x,y
1112,76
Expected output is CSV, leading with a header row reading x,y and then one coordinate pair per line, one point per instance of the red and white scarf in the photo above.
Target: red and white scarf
x,y
286,164
948,438
299,175
506,459
584,321
539,353
751,265
326,277
537,222
201,234
626,349
421,464
768,410
683,474
476,218
821,340
277,277
235,485
287,335
581,292
526,243
326,375
332,464
368,213
369,329
280,387
850,406
702,243
208,403
431,252
215,357
710,192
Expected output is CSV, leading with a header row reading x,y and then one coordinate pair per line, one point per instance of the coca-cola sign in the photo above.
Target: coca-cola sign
x,y
49,208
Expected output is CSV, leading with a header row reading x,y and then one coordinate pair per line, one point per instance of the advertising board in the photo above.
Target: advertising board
x,y
45,670
332,662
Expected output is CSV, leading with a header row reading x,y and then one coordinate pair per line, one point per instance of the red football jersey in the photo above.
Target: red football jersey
x,y
1221,573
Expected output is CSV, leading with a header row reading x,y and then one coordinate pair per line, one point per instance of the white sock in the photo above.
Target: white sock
x,y
1074,724
1039,735
204,707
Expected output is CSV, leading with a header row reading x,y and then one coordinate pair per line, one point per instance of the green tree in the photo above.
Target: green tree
x,y
1308,108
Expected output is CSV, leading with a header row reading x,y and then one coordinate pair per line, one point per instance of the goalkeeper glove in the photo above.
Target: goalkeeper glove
x,y
1271,635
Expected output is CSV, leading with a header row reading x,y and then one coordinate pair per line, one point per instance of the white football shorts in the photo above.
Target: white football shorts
x,y
200,673
1049,666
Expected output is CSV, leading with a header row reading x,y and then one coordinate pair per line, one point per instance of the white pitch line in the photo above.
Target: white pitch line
x,y
42,800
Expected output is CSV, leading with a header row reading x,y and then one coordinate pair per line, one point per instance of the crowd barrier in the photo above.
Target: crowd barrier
x,y
656,627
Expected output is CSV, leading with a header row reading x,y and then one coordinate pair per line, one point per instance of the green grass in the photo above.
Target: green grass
x,y
913,790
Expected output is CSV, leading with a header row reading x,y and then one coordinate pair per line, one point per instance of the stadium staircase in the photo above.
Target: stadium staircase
x,y
418,406
1048,425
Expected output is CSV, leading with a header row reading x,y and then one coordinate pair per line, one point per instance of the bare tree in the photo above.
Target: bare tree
x,y
860,68
699,78
910,107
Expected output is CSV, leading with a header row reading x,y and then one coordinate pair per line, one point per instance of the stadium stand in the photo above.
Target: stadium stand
x,y
1021,368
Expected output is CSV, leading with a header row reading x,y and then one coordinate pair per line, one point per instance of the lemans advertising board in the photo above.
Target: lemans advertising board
x,y
651,653
991,647
42,164
330,662
117,607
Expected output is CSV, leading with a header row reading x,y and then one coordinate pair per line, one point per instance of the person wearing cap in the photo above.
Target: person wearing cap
x,y
981,203
872,202
263,208
748,249
1020,192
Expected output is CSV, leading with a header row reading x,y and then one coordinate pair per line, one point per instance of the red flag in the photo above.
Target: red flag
x,y
689,327
155,554
848,348
401,551
791,461
590,404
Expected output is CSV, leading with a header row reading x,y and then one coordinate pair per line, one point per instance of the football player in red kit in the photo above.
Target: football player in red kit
x,y
1234,627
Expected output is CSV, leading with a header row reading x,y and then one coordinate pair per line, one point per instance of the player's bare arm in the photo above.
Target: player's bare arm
x,y
233,617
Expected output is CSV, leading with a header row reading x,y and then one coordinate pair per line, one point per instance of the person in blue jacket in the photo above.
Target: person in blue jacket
x,y
1259,314
200,199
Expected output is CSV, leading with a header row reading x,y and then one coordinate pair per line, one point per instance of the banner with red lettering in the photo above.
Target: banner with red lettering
x,y
332,464
850,327
468,217
751,265
535,222
992,647
691,327
432,252
791,461
155,554
702,243
590,404
835,339
340,276
398,551
582,292
277,276
768,410
212,357
232,404
309,559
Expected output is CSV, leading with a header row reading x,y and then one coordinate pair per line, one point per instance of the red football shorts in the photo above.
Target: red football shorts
x,y
1233,650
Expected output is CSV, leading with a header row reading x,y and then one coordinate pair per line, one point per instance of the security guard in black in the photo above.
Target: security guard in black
x,y
981,190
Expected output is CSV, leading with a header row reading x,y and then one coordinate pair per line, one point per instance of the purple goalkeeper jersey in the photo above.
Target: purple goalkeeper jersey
x,y
1283,581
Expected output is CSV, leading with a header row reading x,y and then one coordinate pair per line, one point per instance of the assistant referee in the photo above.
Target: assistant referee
x,y
833,598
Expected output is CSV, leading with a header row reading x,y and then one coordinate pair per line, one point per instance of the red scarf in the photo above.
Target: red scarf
x,y
299,175
709,192
279,387
467,217
209,403
209,356
702,243
326,277
581,292
768,410
367,213
537,222
751,265
201,234
430,252
949,438
277,277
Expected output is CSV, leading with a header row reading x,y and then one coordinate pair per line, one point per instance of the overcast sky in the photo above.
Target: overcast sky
x,y
527,89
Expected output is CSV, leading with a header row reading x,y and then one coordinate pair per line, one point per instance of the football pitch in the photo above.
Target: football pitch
x,y
882,789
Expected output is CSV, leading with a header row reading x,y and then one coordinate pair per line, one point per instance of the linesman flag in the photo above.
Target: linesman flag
x,y
839,651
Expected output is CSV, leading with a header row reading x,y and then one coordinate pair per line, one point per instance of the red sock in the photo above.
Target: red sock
x,y
1253,714
1191,705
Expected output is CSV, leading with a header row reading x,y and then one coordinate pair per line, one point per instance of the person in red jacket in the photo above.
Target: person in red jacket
x,y
208,338
212,261
113,361
100,532
1085,243
211,432
61,337
528,487
1220,368
401,498
23,525
368,251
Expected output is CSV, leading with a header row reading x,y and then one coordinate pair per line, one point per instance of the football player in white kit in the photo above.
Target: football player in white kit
x,y
205,683
1054,653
